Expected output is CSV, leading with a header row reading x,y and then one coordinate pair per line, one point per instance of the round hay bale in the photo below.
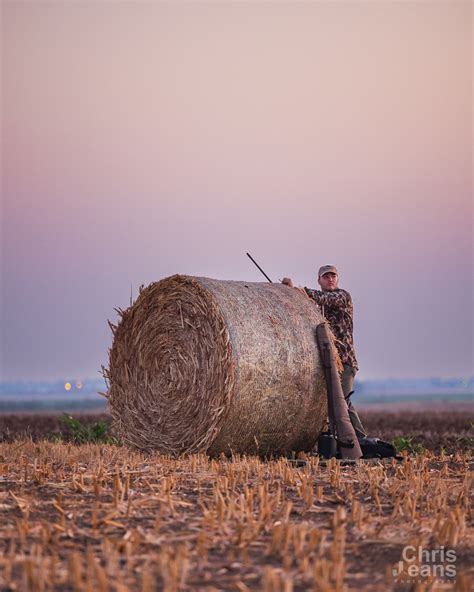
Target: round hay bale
x,y
199,364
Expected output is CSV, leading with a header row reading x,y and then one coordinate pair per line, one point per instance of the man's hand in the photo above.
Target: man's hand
x,y
288,282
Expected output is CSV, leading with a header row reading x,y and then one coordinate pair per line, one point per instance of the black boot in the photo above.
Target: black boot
x,y
375,448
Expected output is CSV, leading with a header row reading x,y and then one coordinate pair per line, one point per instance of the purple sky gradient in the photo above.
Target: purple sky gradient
x,y
143,139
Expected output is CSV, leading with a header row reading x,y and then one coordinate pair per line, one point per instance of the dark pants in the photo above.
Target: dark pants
x,y
347,383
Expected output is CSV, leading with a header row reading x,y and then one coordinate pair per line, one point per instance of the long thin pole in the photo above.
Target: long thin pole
x,y
253,260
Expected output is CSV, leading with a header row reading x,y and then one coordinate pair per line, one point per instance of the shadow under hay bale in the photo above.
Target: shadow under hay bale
x,y
199,364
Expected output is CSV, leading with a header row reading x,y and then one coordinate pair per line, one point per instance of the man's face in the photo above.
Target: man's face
x,y
328,281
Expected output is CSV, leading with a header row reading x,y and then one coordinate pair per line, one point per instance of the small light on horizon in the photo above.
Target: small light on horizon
x,y
78,384
68,386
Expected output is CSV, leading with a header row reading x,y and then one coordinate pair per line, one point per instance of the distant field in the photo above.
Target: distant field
x,y
51,402
92,401
436,427
421,398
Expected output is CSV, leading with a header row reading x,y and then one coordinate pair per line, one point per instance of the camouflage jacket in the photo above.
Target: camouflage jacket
x,y
337,307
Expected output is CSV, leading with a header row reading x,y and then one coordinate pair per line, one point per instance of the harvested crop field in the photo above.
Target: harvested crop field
x,y
103,517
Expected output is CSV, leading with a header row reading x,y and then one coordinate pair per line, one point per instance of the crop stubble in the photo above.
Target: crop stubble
x,y
100,518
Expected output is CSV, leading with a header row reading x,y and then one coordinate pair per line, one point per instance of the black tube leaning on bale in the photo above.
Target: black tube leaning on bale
x,y
339,419
199,364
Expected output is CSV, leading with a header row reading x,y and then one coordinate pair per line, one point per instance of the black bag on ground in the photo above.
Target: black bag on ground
x,y
327,445
375,448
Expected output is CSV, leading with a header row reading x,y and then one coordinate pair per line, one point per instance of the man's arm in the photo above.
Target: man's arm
x,y
336,299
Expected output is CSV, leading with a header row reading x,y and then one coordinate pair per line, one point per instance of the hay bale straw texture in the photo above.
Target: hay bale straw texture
x,y
199,364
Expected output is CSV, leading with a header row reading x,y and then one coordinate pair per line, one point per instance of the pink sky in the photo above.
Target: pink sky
x,y
142,139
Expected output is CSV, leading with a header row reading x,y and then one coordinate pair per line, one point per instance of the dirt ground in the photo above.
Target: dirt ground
x,y
105,518
445,427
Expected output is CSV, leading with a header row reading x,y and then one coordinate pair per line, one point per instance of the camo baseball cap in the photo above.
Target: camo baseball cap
x,y
327,269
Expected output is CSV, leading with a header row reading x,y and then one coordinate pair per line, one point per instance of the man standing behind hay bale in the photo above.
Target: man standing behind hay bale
x,y
336,306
